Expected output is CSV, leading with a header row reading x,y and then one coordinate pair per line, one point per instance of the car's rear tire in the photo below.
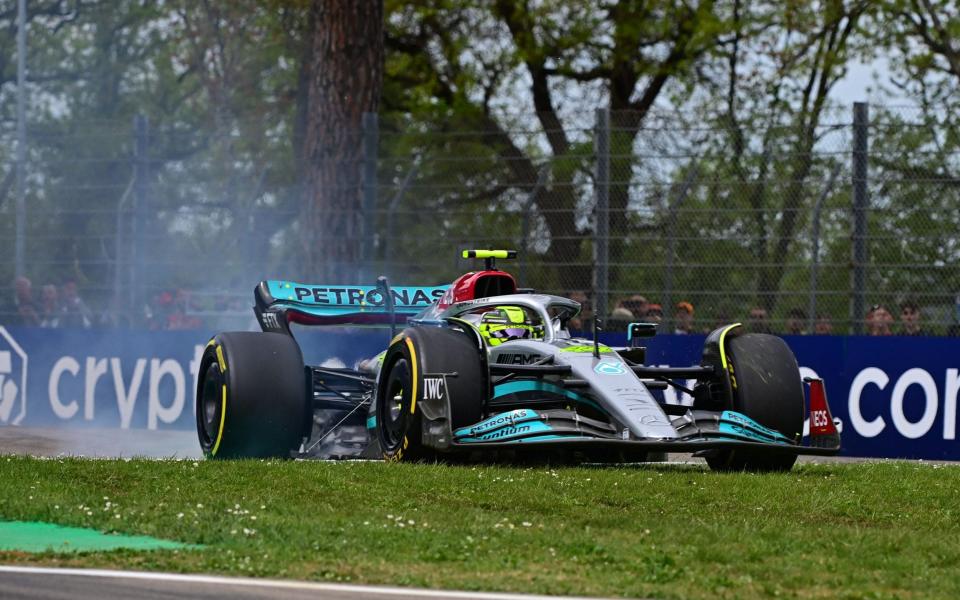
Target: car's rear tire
x,y
251,396
765,385
416,351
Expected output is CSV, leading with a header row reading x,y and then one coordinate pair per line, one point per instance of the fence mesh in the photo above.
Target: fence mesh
x,y
162,226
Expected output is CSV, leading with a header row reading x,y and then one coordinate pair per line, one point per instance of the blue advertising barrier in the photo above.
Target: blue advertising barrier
x,y
894,397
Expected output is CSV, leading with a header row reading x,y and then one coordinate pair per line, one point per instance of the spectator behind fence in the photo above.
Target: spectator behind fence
x,y
50,311
823,326
75,310
26,311
879,320
180,318
796,319
636,304
758,321
683,318
910,319
159,310
618,320
654,314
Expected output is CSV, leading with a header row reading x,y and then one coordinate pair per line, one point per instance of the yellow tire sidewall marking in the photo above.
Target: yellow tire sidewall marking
x,y
220,360
223,415
723,337
413,363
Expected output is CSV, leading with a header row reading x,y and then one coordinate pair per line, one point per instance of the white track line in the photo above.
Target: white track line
x,y
274,583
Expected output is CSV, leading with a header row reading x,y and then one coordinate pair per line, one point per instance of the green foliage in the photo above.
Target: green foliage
x,y
487,139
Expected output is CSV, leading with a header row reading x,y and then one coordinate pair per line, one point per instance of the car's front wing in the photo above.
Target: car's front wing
x,y
697,430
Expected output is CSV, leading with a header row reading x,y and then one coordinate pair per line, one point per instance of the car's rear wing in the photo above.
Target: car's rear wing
x,y
279,303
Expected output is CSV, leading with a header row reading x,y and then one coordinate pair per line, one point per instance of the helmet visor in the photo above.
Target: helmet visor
x,y
510,333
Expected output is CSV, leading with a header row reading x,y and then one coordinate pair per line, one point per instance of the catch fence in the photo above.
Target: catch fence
x,y
169,225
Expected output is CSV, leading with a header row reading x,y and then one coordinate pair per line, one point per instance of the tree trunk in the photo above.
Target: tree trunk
x,y
345,81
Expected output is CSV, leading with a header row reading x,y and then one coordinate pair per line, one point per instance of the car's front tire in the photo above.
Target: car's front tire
x,y
765,385
400,390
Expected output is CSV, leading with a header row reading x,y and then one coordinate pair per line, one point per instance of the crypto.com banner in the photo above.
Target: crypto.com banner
x,y
893,397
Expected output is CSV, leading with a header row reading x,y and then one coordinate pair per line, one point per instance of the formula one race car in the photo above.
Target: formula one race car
x,y
485,369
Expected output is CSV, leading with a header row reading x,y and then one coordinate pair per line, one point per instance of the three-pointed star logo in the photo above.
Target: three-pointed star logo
x,y
609,367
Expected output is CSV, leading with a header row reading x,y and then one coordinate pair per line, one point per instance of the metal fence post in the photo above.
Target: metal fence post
x,y
391,215
19,251
861,202
141,170
815,250
602,214
692,174
525,223
371,144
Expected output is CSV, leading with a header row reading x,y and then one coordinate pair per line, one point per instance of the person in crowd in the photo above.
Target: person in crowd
x,y
823,325
796,320
654,314
758,321
683,318
180,317
910,319
50,311
160,310
878,321
583,321
76,313
721,318
636,304
26,311
619,319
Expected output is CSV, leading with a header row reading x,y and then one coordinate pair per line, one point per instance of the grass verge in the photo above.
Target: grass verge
x,y
865,530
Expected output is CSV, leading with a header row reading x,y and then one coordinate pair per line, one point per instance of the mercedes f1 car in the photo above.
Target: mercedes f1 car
x,y
484,368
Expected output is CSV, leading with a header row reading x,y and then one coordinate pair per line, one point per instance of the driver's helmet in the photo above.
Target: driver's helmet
x,y
504,323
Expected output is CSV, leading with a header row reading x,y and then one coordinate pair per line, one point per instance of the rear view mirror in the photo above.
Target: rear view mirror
x,y
640,330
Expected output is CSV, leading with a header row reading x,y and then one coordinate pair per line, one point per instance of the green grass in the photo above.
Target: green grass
x,y
859,531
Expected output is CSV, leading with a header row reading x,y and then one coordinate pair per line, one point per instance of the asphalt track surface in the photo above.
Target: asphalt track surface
x,y
99,443
138,443
35,583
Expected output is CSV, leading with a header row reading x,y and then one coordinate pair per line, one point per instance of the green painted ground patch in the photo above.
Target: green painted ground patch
x,y
882,530
25,536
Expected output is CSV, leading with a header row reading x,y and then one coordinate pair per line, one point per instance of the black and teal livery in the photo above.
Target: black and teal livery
x,y
444,389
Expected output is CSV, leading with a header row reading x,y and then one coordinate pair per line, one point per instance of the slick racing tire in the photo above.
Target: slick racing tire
x,y
765,385
251,396
400,390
